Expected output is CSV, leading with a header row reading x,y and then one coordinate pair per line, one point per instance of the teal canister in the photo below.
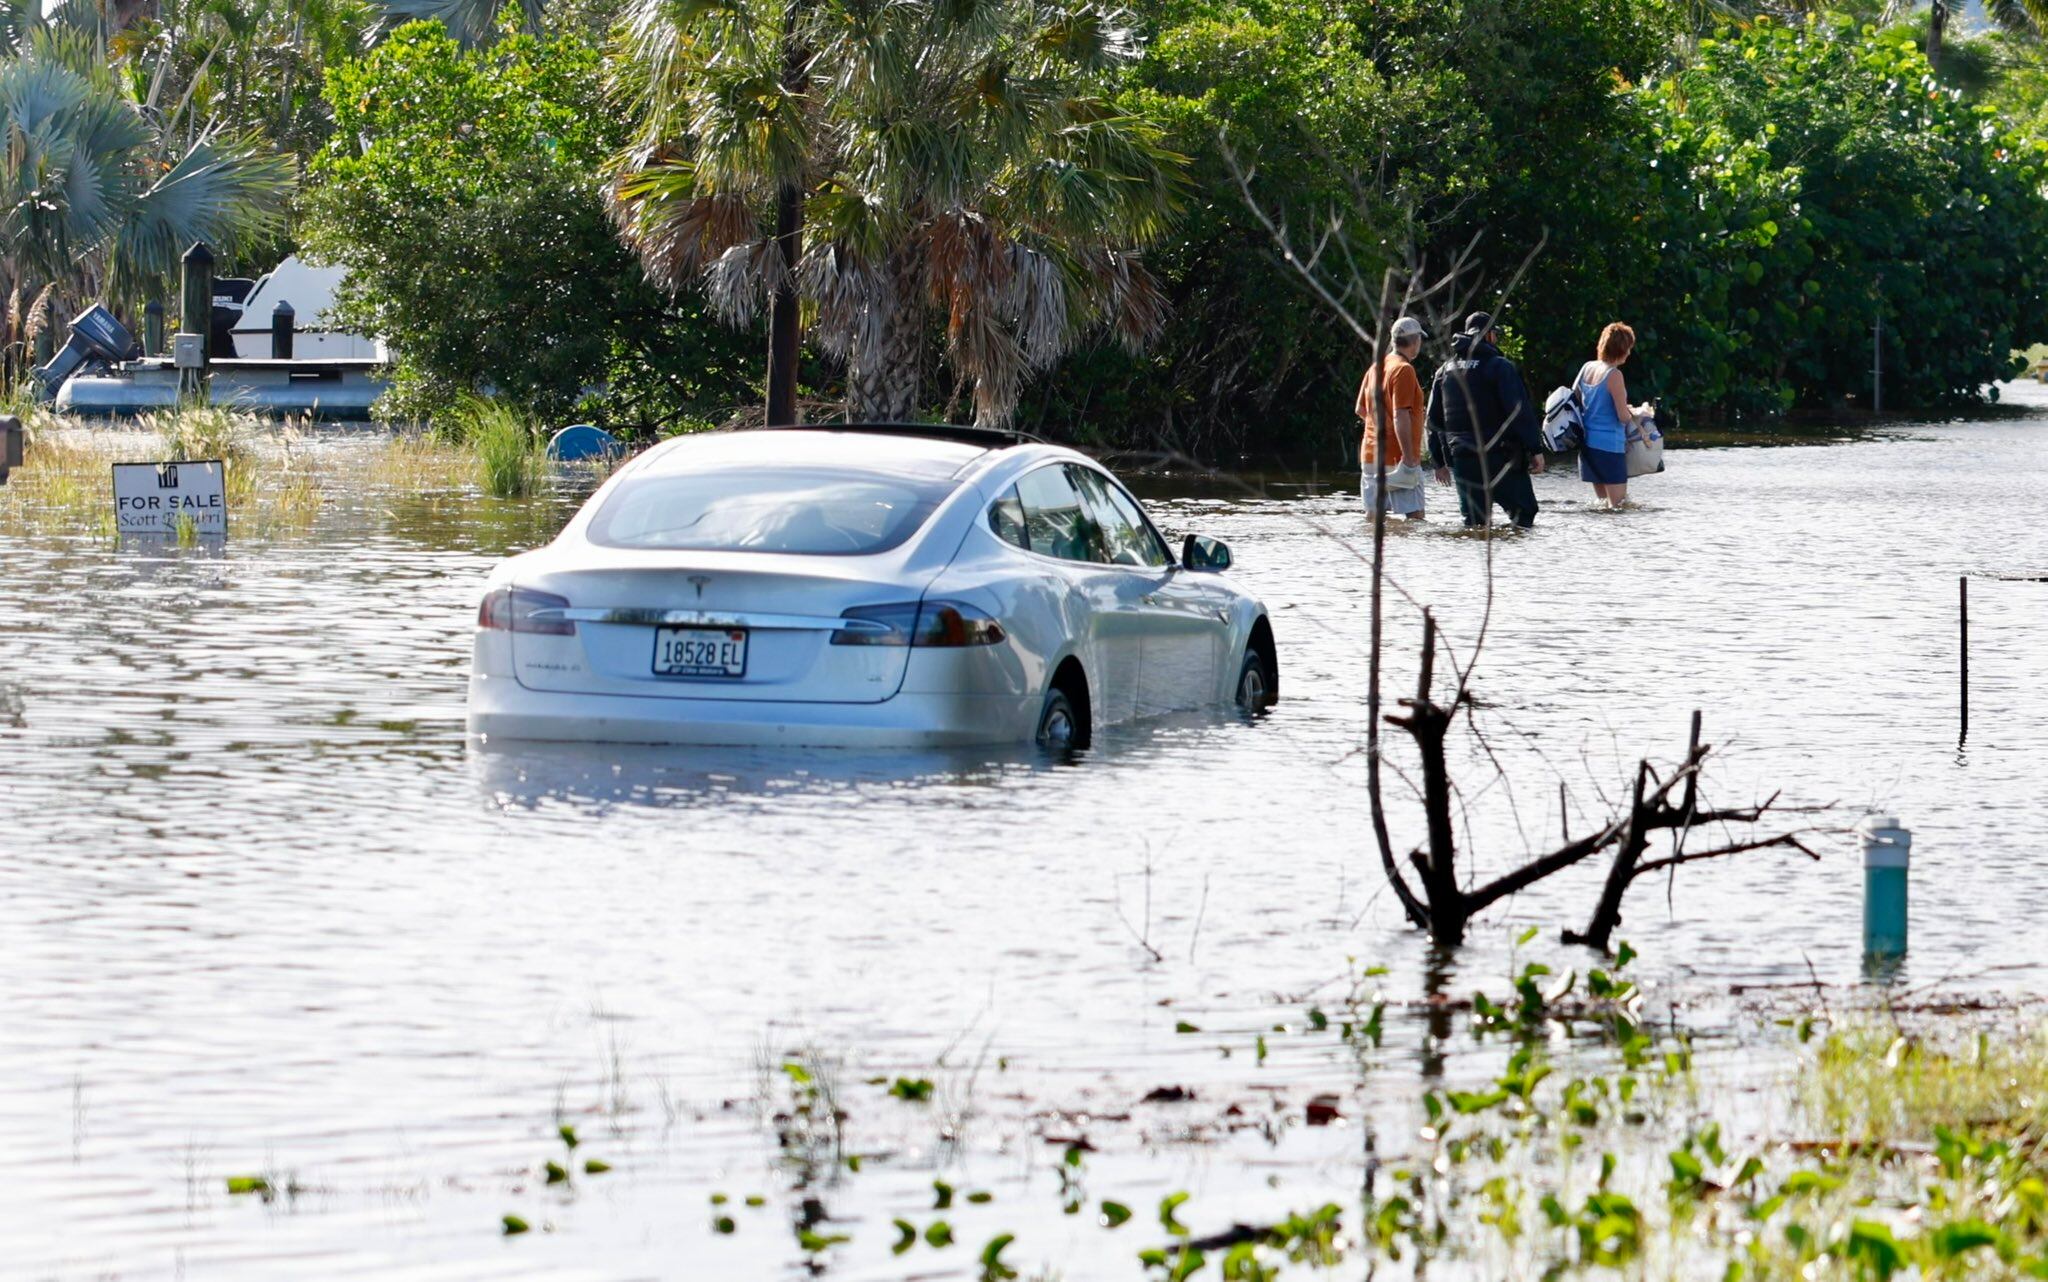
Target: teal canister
x,y
1887,850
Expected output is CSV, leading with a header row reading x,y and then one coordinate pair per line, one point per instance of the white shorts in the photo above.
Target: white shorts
x,y
1399,502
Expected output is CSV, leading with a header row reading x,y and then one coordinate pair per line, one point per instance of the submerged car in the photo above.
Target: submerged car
x,y
869,586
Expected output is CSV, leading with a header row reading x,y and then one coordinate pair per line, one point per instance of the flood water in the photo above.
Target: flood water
x,y
264,912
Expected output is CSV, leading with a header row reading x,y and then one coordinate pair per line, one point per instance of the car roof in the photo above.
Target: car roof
x,y
853,451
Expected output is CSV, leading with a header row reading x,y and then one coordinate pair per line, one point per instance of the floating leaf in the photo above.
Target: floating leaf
x,y
596,1166
1167,1206
1114,1214
906,1237
556,1173
239,1184
992,1267
513,1224
940,1234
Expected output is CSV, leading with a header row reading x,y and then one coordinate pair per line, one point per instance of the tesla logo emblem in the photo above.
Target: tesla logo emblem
x,y
698,581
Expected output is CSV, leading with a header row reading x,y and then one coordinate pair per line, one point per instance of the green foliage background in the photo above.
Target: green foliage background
x,y
1754,195
463,189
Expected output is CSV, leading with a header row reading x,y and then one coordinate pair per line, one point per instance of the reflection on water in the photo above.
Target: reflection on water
x,y
263,910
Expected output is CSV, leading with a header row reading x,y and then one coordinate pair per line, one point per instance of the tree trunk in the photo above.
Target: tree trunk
x,y
784,319
885,376
1937,27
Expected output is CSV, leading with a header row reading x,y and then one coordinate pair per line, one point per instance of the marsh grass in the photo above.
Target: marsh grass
x,y
511,456
1877,1083
281,477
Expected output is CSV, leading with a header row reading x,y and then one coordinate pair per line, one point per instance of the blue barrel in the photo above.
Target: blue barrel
x,y
1887,851
583,442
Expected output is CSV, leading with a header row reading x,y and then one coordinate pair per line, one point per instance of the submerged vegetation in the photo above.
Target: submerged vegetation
x,y
1574,1135
279,480
510,450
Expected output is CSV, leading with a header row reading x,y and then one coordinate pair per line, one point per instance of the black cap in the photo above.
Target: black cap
x,y
1479,323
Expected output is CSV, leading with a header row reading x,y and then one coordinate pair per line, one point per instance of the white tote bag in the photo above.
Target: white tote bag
x,y
1645,452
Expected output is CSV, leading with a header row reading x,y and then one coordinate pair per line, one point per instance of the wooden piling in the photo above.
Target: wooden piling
x,y
195,314
153,328
283,321
1963,653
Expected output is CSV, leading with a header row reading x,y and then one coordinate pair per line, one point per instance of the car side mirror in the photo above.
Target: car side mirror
x,y
1199,553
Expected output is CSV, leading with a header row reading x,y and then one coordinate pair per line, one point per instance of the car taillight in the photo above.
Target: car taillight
x,y
513,610
926,625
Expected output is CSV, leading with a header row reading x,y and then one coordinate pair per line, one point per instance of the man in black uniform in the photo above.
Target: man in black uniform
x,y
1483,429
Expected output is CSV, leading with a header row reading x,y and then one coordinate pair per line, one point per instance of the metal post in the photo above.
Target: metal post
x,y
195,314
11,439
282,322
1963,648
153,328
1877,366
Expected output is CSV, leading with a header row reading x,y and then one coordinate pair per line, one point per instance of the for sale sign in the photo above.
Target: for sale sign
x,y
158,498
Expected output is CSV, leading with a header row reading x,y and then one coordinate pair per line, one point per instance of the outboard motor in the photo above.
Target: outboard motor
x,y
95,336
230,299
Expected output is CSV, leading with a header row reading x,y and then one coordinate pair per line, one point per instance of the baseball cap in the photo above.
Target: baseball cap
x,y
1409,327
1479,322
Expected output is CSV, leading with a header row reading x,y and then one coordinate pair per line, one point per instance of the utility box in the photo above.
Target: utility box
x,y
188,351
13,441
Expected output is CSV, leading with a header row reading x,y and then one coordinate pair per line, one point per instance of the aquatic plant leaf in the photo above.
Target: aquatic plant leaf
x,y
240,1184
557,1174
906,1237
1167,1206
1114,1214
940,1234
596,1166
1960,1237
513,1224
992,1267
1873,1245
942,1195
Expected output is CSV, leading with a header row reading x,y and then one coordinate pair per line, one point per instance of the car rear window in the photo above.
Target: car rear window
x,y
812,512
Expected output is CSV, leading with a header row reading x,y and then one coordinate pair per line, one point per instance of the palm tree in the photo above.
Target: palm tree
x,y
959,162
98,195
2020,17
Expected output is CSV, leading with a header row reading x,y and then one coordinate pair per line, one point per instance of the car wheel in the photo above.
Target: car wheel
x,y
1059,725
1254,684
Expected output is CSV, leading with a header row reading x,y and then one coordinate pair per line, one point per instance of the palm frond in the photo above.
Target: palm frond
x,y
225,191
2021,17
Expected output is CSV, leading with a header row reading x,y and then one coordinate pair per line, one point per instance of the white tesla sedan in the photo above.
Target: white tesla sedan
x,y
877,586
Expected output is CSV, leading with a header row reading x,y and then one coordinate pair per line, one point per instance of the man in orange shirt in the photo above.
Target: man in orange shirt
x,y
1398,414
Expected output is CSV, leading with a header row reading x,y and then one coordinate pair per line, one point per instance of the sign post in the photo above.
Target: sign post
x,y
156,498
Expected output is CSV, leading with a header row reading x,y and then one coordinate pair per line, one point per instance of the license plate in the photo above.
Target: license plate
x,y
700,652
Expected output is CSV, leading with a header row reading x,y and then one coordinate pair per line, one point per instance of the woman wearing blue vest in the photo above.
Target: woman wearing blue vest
x,y
1609,418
